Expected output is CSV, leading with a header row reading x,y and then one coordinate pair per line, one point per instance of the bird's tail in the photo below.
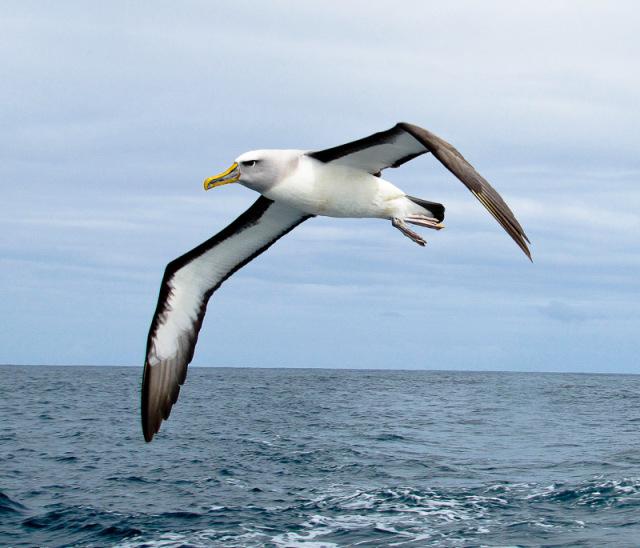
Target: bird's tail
x,y
427,214
434,209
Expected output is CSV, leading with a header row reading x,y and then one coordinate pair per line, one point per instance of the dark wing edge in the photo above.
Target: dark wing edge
x,y
161,381
449,156
393,147
334,153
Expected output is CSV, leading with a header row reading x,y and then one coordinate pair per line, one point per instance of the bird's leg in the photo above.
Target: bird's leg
x,y
399,224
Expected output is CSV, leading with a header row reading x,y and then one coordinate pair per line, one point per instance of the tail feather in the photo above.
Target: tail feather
x,y
436,209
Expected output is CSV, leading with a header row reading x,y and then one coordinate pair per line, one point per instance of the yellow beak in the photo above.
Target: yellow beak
x,y
231,175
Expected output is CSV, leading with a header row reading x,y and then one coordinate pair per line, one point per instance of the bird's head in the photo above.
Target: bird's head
x,y
258,170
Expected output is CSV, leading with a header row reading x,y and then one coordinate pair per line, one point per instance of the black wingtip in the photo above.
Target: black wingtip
x,y
527,252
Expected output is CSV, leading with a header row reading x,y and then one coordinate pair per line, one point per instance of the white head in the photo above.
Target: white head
x,y
258,170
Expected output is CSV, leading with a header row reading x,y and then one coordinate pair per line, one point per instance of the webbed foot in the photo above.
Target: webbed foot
x,y
402,227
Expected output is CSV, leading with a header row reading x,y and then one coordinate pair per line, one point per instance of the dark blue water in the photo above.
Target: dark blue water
x,y
313,458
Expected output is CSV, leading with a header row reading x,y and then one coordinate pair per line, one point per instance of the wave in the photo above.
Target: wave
x,y
9,506
597,492
83,524
404,516
503,513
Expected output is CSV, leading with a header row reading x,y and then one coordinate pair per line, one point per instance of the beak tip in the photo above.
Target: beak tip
x,y
231,175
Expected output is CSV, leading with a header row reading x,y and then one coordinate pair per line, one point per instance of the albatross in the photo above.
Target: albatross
x,y
294,185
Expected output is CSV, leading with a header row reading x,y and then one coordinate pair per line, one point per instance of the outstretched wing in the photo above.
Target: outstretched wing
x,y
402,143
188,283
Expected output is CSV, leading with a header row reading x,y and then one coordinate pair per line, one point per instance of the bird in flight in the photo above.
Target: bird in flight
x,y
294,185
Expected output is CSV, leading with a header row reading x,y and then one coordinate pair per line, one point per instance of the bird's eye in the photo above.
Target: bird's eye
x,y
249,163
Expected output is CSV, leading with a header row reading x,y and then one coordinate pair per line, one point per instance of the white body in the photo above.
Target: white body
x,y
336,191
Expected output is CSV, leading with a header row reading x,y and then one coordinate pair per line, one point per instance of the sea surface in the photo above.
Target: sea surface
x,y
320,458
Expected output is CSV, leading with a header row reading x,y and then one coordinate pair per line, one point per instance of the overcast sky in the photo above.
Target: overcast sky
x,y
112,114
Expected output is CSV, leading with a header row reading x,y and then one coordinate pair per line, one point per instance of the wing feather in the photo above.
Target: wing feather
x,y
403,142
390,148
476,183
187,284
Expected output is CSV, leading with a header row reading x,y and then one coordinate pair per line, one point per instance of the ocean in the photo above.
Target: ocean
x,y
320,458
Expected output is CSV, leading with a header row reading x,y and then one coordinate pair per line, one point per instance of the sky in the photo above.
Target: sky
x,y
112,114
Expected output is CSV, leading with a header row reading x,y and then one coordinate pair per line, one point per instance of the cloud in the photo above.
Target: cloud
x,y
567,313
112,116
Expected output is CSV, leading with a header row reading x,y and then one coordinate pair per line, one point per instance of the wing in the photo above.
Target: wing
x,y
188,283
402,143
